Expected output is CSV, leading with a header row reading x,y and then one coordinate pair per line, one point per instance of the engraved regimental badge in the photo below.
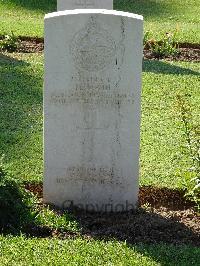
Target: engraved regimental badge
x,y
93,49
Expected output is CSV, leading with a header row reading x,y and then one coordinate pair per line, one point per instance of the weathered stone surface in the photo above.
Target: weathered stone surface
x,y
82,4
93,66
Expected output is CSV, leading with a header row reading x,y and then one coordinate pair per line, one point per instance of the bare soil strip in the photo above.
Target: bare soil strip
x,y
164,216
185,54
187,51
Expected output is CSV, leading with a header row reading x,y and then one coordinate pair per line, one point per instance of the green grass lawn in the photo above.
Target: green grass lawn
x,y
163,161
26,17
164,156
22,251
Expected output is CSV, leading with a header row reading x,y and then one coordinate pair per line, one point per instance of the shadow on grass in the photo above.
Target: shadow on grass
x,y
147,8
168,255
18,93
136,227
40,5
14,212
13,84
162,67
140,226
163,238
152,235
20,105
147,226
150,9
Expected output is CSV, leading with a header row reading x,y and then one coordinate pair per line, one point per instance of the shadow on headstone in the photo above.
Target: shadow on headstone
x,y
160,67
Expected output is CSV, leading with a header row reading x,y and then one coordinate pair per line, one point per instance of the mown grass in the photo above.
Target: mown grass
x,y
26,17
22,251
161,16
21,114
163,156
19,245
21,210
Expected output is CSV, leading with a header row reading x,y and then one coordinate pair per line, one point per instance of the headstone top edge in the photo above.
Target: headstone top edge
x,y
93,11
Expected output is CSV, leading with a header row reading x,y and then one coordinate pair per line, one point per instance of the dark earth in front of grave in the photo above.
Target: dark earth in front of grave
x,y
164,216
188,51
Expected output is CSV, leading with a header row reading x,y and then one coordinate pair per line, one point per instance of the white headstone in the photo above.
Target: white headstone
x,y
93,66
82,4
